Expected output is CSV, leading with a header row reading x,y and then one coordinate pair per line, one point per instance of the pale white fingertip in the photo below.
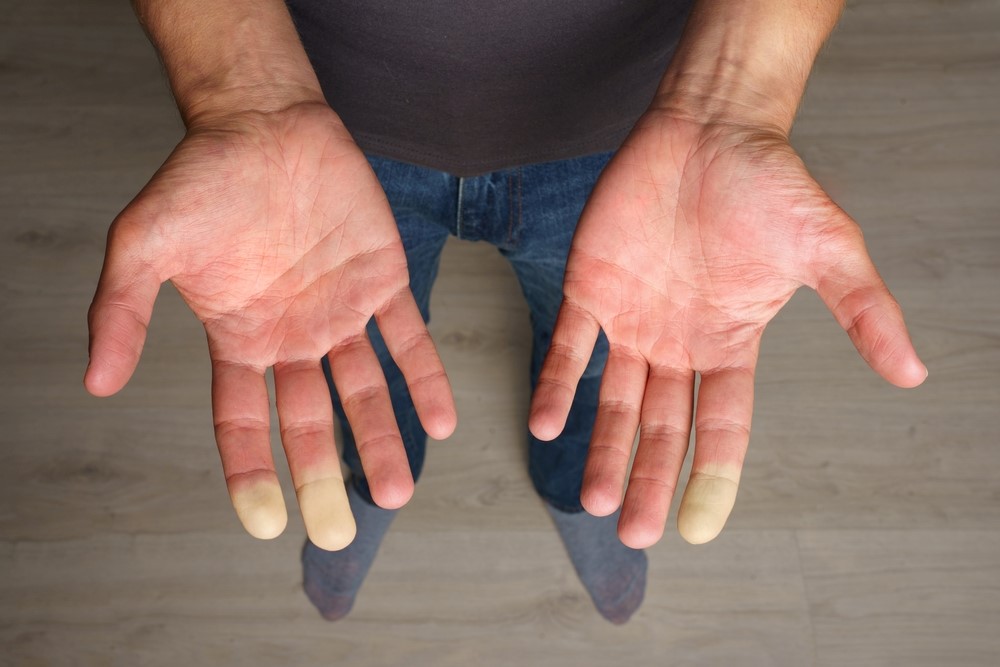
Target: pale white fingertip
x,y
327,513
261,509
708,500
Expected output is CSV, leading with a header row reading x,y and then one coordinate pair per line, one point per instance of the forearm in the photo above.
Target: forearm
x,y
747,61
229,55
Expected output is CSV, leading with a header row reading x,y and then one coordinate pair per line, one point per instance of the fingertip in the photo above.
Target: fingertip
x,y
912,374
926,371
92,383
874,321
99,383
266,524
643,518
697,529
391,495
549,411
599,503
334,538
637,536
706,506
544,425
900,366
441,424
261,509
114,354
436,409
118,320
326,513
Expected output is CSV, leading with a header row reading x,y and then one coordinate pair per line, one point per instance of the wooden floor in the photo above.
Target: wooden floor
x,y
867,531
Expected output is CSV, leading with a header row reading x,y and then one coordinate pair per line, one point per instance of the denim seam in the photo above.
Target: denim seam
x,y
458,209
520,199
510,209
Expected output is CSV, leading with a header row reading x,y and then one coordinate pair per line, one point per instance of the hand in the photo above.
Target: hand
x,y
693,239
278,236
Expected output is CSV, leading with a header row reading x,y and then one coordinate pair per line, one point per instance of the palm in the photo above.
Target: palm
x,y
688,263
296,269
278,236
692,241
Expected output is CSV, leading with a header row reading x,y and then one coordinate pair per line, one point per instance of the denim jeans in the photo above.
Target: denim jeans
x,y
529,213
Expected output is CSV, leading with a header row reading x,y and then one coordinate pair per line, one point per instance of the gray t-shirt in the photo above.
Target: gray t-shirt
x,y
467,86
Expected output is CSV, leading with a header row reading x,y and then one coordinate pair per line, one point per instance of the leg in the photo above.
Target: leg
x,y
421,201
552,198
332,579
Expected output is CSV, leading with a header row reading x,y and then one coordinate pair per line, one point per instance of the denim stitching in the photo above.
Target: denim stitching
x,y
458,209
520,199
510,209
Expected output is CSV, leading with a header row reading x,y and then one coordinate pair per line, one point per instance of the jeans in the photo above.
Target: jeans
x,y
529,213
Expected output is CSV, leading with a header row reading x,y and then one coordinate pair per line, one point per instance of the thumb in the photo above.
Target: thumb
x,y
854,292
120,312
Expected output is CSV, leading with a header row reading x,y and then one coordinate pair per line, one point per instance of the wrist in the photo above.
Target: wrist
x,y
710,99
229,57
208,105
262,69
745,63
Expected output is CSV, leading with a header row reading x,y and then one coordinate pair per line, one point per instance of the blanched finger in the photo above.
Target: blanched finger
x,y
241,411
722,435
306,416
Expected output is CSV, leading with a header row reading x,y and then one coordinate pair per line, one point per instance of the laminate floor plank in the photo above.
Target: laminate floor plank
x,y
477,596
904,597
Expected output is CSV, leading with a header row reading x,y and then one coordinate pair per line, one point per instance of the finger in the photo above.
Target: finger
x,y
573,340
120,313
412,349
722,434
663,442
306,416
617,421
365,396
240,410
854,292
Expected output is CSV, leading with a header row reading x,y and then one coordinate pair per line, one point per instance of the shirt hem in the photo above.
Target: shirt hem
x,y
395,149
